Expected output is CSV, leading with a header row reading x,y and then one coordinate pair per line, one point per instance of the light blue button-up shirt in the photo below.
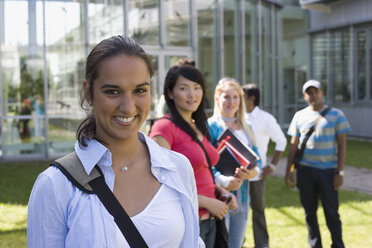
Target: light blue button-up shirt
x,y
61,215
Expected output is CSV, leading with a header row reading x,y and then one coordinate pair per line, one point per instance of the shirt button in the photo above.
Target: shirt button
x,y
163,178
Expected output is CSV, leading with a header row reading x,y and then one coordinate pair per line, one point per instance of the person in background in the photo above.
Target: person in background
x,y
181,130
265,128
155,186
320,170
229,112
25,110
38,108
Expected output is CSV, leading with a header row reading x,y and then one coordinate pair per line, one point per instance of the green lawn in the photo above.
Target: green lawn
x,y
285,216
358,153
16,180
286,220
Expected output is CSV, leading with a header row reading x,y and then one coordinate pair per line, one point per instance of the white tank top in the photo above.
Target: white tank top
x,y
161,223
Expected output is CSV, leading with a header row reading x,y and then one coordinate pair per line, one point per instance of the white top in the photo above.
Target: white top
x,y
265,127
163,216
243,137
62,216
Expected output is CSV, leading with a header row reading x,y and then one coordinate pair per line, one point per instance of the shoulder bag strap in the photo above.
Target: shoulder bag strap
x,y
72,168
201,145
121,217
207,157
308,134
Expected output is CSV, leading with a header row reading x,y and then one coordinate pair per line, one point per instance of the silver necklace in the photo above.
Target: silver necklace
x,y
124,168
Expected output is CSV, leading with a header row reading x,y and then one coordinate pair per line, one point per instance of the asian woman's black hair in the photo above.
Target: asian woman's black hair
x,y
199,116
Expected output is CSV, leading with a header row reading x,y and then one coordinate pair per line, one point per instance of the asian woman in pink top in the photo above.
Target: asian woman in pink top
x,y
181,130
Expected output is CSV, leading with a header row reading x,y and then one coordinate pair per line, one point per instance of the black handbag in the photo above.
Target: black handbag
x,y
222,236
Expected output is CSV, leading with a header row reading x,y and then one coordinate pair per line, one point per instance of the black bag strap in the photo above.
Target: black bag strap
x,y
310,132
121,217
71,166
207,157
201,145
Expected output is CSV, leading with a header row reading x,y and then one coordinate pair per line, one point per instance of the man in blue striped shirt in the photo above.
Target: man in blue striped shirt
x,y
320,171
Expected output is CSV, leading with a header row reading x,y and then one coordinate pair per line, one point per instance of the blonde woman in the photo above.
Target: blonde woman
x,y
229,111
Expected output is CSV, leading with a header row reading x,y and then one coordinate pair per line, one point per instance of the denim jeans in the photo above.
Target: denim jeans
x,y
208,232
236,223
314,184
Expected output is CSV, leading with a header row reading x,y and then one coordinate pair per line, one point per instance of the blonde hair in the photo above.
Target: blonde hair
x,y
222,85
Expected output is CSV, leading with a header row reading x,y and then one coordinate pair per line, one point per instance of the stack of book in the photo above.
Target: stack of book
x,y
233,154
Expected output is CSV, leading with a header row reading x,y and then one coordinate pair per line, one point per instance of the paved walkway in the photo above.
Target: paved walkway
x,y
356,179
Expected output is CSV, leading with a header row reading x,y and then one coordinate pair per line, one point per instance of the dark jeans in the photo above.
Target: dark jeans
x,y
208,232
314,184
257,194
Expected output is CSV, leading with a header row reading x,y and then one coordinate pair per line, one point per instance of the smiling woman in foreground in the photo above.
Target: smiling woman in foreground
x,y
154,185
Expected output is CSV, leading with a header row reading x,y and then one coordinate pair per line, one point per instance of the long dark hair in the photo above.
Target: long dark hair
x,y
191,73
106,49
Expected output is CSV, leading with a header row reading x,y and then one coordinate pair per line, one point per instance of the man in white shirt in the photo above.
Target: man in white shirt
x,y
265,127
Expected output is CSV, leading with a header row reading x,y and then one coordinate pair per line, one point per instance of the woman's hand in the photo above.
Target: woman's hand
x,y
217,208
233,203
230,198
235,183
214,206
245,174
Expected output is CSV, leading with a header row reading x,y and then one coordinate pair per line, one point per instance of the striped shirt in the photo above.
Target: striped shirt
x,y
321,148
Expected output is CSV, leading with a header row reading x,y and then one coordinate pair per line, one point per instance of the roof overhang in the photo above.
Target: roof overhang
x,y
317,5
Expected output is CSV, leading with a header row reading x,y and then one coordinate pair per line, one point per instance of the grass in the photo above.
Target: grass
x,y
284,214
16,180
358,153
286,219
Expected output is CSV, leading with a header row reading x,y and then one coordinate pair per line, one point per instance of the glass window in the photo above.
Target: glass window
x,y
268,37
230,35
339,74
361,65
291,2
207,46
143,18
295,55
65,56
156,88
23,127
250,44
177,14
319,48
22,58
62,131
370,64
19,137
106,18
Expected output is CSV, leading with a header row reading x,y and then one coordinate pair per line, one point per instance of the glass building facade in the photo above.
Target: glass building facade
x,y
43,46
341,59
